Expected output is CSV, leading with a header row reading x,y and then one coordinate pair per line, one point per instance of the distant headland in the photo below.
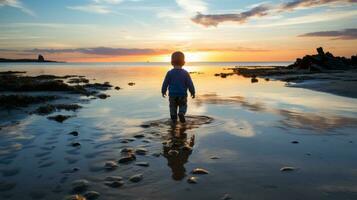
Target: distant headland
x,y
40,59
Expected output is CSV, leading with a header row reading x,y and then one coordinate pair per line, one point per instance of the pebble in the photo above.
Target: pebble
x,y
156,154
127,150
142,164
141,151
110,165
80,185
131,84
127,159
173,152
214,157
199,171
136,178
226,197
192,180
117,88
295,142
287,169
139,136
145,125
74,133
75,197
114,184
91,195
76,144
113,178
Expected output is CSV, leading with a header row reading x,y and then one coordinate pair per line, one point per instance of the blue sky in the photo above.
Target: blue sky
x,y
237,29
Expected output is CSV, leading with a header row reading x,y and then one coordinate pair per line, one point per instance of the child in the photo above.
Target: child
x,y
178,81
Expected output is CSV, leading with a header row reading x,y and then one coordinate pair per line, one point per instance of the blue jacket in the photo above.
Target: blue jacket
x,y
178,81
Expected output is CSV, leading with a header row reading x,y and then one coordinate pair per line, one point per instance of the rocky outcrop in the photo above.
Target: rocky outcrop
x,y
324,61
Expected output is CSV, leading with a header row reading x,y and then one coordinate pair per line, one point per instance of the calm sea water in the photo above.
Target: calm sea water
x,y
251,134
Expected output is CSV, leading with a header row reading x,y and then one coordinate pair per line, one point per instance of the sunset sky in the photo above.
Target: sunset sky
x,y
149,30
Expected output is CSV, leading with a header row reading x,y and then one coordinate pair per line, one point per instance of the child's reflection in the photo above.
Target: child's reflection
x,y
177,149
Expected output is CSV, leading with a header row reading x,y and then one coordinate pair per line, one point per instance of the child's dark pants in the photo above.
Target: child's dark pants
x,y
180,103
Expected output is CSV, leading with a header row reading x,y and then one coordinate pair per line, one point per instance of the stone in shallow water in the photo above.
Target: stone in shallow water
x,y
127,150
114,184
192,180
295,142
214,157
128,158
173,152
226,197
139,136
76,144
59,118
113,178
74,133
199,171
156,154
142,164
80,185
75,197
136,178
91,195
287,169
141,151
110,165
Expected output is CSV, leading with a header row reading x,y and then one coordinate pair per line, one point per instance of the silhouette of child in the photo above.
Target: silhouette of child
x,y
178,81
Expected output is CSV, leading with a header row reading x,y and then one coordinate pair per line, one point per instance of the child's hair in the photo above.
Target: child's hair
x,y
178,59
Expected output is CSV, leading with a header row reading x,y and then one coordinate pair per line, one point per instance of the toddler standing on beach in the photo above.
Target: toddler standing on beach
x,y
178,81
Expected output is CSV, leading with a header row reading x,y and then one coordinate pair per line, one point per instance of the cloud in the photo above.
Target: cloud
x,y
192,6
99,6
92,8
214,20
106,51
310,3
17,4
261,10
346,34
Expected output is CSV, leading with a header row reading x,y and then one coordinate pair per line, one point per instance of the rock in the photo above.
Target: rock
x,y
127,150
103,96
59,118
136,178
139,136
156,154
199,171
173,152
254,80
267,79
76,144
117,88
295,142
287,169
214,157
127,159
145,125
141,151
142,164
113,178
226,197
131,84
114,184
75,197
80,185
192,180
74,133
50,108
110,165
91,195
146,141
40,58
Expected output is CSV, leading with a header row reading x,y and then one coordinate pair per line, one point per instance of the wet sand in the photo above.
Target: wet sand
x,y
239,135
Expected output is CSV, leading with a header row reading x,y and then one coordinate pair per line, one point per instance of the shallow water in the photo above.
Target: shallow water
x,y
251,133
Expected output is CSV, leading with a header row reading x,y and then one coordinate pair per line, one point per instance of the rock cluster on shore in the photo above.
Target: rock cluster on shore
x,y
324,61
